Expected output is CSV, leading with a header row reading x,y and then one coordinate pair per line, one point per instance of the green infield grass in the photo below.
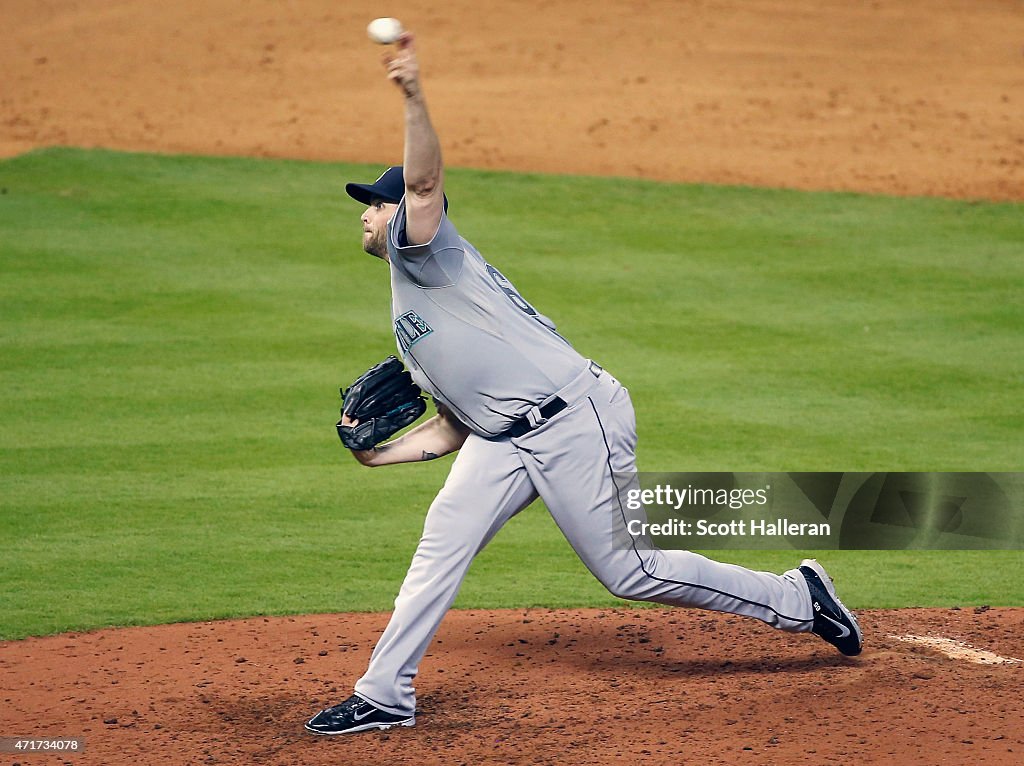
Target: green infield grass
x,y
173,331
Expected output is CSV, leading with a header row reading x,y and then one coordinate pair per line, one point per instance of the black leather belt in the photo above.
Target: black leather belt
x,y
548,411
538,416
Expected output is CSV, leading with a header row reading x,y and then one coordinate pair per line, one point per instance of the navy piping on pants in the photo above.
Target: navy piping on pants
x,y
640,558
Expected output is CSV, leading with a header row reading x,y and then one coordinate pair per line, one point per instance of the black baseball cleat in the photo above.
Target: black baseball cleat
x,y
355,714
832,621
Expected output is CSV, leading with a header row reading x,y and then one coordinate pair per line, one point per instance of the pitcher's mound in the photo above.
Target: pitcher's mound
x,y
653,686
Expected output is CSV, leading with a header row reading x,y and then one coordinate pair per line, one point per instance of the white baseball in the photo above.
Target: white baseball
x,y
384,31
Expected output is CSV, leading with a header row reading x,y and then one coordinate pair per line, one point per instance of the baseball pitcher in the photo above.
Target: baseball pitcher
x,y
529,416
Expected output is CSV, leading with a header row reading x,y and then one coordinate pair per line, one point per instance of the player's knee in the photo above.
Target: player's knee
x,y
628,588
634,580
621,592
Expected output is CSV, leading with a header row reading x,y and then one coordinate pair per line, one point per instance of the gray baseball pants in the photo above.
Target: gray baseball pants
x,y
570,461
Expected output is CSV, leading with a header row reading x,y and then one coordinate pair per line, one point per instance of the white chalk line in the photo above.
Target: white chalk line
x,y
958,650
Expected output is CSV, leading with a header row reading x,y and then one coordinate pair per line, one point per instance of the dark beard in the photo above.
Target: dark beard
x,y
377,246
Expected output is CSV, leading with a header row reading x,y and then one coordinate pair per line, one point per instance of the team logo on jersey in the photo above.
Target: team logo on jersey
x,y
410,329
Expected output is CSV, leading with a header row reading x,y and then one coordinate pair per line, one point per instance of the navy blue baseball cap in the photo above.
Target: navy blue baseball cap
x,y
390,187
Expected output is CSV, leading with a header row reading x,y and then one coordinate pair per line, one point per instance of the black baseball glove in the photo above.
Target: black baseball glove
x,y
384,400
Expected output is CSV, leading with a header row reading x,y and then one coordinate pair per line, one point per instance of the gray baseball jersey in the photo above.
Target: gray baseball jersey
x,y
466,334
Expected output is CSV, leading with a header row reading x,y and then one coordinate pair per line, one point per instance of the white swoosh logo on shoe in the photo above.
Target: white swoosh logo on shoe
x,y
843,630
357,717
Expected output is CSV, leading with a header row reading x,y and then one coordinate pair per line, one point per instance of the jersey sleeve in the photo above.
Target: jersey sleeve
x,y
437,263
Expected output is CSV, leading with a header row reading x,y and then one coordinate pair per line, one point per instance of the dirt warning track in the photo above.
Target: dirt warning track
x,y
894,96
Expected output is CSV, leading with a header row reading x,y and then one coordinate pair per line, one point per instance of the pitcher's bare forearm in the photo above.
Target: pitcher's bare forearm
x,y
438,436
423,167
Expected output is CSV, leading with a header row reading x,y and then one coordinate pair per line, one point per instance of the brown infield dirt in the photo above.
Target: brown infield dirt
x,y
914,97
657,686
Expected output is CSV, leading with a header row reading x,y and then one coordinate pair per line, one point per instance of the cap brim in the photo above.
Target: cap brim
x,y
366,193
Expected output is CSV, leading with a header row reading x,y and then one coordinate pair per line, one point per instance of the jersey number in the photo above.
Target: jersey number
x,y
506,287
